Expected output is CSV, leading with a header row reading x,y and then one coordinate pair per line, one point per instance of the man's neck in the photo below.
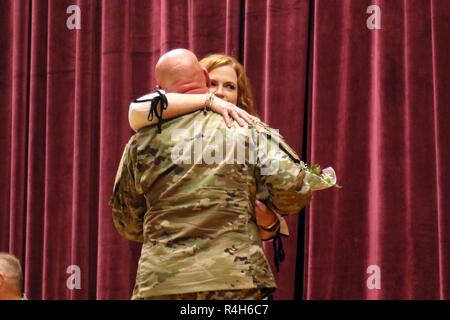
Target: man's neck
x,y
198,90
188,88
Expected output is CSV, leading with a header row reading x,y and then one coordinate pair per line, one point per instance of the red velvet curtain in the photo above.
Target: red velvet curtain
x,y
380,115
371,103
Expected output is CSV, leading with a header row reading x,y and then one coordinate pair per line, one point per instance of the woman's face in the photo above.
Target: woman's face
x,y
224,83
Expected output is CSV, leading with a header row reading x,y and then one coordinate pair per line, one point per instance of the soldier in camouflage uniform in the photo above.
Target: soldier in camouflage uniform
x,y
195,217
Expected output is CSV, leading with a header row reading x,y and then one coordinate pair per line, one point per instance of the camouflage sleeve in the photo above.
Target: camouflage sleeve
x,y
128,202
279,169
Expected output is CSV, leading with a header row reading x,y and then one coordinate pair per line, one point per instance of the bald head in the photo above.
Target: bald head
x,y
179,71
10,276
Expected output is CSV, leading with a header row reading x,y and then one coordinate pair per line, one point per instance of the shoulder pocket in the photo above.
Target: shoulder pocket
x,y
276,137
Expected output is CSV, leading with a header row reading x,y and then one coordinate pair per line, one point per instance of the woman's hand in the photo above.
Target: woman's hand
x,y
265,217
227,109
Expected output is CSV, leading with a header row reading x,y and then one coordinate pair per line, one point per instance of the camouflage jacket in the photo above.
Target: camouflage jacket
x,y
188,194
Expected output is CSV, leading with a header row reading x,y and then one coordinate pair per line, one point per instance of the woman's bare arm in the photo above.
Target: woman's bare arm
x,y
179,104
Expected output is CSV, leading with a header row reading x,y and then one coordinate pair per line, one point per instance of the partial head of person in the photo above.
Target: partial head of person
x,y
229,81
179,71
11,277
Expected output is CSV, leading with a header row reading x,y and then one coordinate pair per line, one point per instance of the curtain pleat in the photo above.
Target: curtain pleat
x,y
376,114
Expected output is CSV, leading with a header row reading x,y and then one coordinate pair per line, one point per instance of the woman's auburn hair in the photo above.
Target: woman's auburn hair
x,y
245,97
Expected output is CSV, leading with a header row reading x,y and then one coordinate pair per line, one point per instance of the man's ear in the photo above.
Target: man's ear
x,y
207,79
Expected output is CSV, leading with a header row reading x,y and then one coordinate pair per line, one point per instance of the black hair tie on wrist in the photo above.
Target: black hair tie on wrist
x,y
161,101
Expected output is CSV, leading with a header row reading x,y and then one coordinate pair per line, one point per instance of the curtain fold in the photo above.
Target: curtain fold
x,y
14,80
376,115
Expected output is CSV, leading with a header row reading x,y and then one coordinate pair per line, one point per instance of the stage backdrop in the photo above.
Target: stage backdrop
x,y
362,85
